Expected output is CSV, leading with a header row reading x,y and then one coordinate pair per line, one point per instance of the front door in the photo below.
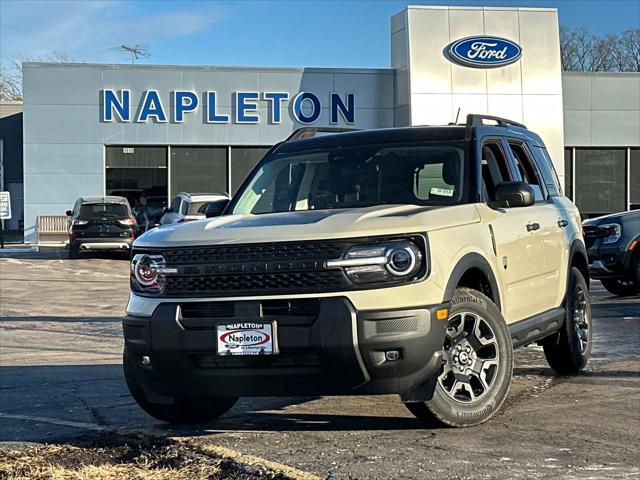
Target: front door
x,y
518,249
549,284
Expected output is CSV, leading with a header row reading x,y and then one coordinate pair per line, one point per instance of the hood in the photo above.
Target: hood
x,y
310,225
611,217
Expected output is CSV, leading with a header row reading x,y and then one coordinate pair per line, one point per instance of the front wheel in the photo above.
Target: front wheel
x,y
184,411
478,364
621,287
568,351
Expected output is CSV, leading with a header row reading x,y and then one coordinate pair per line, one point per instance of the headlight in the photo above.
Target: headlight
x,y
614,232
148,273
393,261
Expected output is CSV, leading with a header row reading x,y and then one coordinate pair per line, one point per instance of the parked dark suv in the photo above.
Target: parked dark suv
x,y
100,223
613,244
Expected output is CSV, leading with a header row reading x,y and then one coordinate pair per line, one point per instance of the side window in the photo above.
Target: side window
x,y
547,170
175,204
527,170
184,207
494,168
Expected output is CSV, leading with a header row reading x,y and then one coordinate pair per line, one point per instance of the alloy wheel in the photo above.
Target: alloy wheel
x,y
471,358
581,320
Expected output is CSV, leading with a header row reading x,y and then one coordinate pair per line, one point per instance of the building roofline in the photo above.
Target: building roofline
x,y
569,73
204,68
477,8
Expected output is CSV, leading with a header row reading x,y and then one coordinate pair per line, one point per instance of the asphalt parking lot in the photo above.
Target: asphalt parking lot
x,y
60,378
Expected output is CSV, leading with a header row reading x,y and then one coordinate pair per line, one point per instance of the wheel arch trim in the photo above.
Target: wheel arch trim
x,y
467,262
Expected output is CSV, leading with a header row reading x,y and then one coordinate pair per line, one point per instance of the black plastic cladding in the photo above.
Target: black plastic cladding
x,y
268,268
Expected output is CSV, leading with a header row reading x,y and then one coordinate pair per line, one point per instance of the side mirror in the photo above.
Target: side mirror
x,y
215,209
514,194
68,213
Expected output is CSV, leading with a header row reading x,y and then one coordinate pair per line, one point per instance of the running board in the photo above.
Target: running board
x,y
537,327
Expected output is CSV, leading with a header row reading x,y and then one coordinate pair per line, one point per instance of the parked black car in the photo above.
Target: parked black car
x,y
613,245
101,223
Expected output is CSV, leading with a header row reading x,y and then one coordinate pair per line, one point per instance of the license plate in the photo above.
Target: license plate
x,y
246,339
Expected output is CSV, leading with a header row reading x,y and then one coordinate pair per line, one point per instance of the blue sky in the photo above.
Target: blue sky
x,y
262,33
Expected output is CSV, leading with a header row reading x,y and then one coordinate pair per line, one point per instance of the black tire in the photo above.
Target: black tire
x,y
74,252
568,351
184,410
621,287
452,403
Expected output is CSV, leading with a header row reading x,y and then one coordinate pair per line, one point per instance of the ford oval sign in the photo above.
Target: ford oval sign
x,y
484,52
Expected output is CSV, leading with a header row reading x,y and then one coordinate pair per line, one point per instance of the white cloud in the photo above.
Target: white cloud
x,y
88,30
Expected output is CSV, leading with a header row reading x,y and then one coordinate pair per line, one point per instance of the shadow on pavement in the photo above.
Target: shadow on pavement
x,y
62,253
53,403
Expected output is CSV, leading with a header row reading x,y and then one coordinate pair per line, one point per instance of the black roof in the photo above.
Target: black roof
x,y
408,134
376,136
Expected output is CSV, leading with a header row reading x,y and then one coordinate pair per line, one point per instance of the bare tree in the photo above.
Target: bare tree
x,y
583,51
11,75
630,42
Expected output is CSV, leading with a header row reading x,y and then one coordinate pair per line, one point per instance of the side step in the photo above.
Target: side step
x,y
537,327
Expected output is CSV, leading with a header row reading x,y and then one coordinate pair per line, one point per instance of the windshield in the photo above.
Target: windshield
x,y
100,210
358,176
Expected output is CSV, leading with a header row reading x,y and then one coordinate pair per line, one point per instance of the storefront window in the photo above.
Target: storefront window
x,y
600,181
134,172
198,170
243,159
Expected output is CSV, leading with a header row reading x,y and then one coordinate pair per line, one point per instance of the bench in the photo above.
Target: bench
x,y
52,229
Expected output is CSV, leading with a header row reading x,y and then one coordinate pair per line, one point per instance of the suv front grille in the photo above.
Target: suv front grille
x,y
279,268
255,269
205,315
285,251
247,284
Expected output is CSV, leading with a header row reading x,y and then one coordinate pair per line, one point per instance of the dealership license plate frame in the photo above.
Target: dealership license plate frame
x,y
270,327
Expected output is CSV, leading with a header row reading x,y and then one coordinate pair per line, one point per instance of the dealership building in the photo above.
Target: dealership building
x,y
95,129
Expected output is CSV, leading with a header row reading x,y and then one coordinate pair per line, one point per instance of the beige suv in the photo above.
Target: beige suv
x,y
408,261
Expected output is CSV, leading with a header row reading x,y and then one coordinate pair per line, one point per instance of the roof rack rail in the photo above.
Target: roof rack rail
x,y
476,120
309,132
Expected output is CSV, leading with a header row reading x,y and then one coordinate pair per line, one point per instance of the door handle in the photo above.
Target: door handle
x,y
532,227
562,223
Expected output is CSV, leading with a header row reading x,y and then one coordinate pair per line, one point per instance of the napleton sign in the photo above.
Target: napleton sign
x,y
304,107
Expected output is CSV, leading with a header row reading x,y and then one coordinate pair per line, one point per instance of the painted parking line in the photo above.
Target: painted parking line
x,y
55,421
240,457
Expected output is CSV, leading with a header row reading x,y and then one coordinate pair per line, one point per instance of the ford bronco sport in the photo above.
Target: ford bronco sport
x,y
407,260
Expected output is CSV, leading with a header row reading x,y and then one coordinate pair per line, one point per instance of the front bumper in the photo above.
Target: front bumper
x,y
608,263
341,351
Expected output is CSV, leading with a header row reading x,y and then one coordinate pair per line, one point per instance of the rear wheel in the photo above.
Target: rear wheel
x,y
478,365
568,351
184,411
74,251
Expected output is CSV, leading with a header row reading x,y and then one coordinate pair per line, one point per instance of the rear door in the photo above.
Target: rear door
x,y
544,223
517,250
